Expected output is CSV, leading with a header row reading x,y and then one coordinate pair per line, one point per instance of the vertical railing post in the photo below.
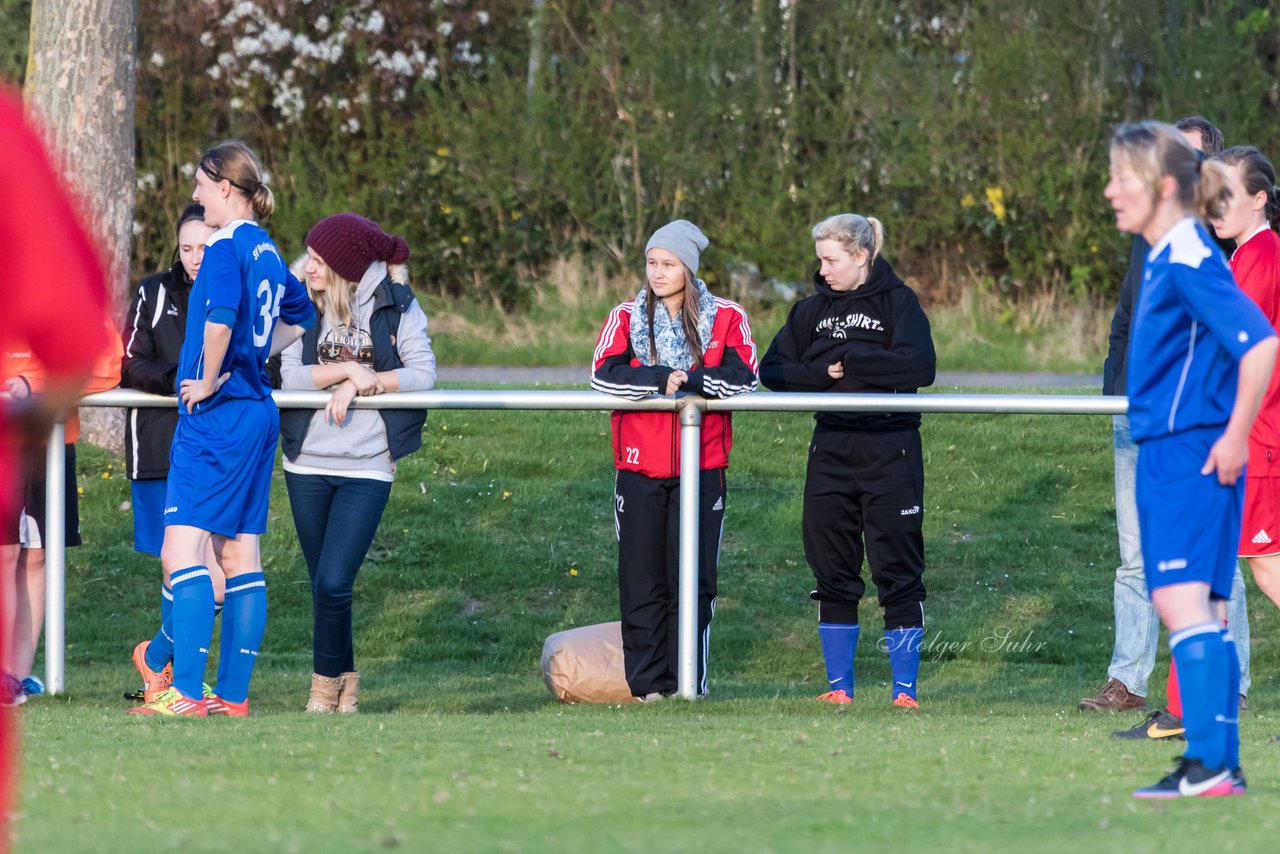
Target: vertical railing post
x,y
55,561
690,481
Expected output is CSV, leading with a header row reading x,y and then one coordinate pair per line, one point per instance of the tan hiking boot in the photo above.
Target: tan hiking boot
x,y
324,694
1113,697
349,696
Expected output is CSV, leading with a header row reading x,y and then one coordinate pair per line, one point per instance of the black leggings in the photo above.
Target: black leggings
x,y
864,494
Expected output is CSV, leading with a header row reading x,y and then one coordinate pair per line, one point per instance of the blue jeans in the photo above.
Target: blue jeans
x,y
1137,626
336,518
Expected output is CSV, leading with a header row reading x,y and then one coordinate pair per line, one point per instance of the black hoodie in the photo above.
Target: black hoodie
x,y
877,330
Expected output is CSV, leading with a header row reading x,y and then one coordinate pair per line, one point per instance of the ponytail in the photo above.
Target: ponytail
x,y
234,162
264,203
877,236
1273,209
1212,191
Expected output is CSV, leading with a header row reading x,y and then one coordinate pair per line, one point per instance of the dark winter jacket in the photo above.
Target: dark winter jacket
x,y
404,426
153,334
878,331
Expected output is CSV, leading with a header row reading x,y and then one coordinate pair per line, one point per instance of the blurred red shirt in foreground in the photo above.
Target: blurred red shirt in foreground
x,y
53,299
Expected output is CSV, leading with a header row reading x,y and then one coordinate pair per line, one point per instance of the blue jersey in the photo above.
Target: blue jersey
x,y
242,271
1192,327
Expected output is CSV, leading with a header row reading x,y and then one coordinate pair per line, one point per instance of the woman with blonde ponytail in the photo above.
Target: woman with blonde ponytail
x,y
863,331
223,449
1201,358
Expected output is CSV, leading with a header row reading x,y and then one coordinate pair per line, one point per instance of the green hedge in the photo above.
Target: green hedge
x,y
976,130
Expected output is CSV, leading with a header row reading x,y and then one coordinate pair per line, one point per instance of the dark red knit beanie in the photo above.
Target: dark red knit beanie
x,y
349,244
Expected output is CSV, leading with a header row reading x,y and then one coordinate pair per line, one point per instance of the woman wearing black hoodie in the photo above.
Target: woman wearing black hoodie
x,y
863,331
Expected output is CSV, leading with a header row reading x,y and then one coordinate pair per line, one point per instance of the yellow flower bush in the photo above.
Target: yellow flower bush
x,y
995,200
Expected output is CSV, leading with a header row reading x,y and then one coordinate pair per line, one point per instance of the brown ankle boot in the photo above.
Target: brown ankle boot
x,y
1113,697
349,696
324,694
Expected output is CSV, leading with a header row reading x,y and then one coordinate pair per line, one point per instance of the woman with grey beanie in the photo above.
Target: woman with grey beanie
x,y
673,337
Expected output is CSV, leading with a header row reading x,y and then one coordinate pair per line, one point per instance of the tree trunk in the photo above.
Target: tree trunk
x,y
81,68
537,36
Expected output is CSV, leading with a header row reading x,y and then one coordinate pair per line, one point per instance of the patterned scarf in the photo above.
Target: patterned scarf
x,y
668,331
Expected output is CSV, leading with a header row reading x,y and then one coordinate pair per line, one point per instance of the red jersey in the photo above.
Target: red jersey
x,y
1256,266
649,442
53,295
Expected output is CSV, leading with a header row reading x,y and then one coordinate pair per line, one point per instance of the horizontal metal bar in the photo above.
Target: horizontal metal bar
x,y
439,399
996,404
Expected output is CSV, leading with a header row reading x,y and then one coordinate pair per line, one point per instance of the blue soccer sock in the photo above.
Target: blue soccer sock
x,y
244,622
192,619
839,640
904,659
160,650
1230,720
1202,674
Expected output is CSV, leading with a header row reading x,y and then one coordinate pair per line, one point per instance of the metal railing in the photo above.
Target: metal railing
x,y
690,409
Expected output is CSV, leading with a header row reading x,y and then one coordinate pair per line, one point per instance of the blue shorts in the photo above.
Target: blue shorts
x,y
1189,523
148,515
220,468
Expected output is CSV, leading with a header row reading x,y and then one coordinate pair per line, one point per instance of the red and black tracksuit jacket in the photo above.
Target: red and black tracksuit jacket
x,y
649,442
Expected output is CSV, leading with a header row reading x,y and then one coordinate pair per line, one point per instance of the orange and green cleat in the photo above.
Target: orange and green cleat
x,y
905,701
173,703
838,696
153,683
219,706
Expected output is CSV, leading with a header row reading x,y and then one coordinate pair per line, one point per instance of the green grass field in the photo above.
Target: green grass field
x,y
460,747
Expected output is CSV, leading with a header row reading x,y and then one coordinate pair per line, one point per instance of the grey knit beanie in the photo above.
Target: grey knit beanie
x,y
682,239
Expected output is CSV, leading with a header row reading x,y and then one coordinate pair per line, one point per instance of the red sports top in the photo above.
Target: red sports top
x,y
649,442
52,290
1256,265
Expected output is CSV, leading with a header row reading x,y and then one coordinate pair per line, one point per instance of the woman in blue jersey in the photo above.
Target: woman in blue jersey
x,y
371,337
224,446
1202,356
152,337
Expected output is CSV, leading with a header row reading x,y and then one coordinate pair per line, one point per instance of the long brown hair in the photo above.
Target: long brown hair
x,y
689,317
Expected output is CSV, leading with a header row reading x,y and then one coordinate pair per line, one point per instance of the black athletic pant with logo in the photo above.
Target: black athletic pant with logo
x,y
647,516
864,494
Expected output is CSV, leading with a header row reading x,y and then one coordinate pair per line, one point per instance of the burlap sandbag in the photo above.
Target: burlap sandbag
x,y
584,665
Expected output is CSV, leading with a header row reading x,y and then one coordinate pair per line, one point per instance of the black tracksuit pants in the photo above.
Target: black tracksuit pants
x,y
864,495
647,516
